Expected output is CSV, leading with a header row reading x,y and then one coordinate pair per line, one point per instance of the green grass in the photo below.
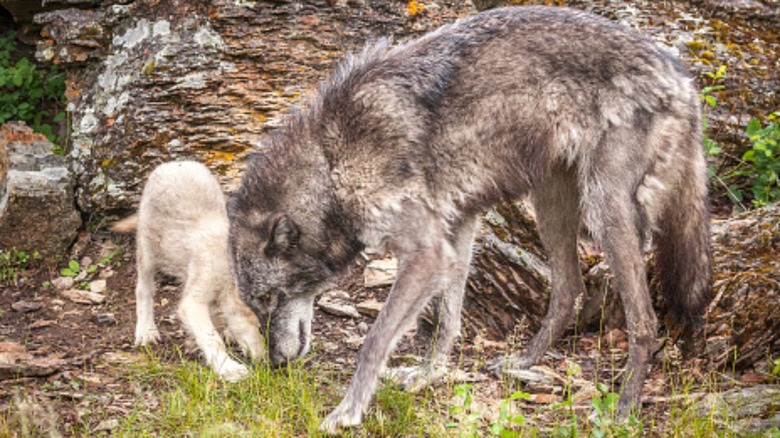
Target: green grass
x,y
191,401
174,396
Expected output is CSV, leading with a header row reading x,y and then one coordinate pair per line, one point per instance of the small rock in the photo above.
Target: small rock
x,y
107,425
106,273
18,364
336,295
755,378
10,351
42,323
335,305
544,399
104,319
97,286
62,283
370,307
380,272
26,306
328,346
83,297
362,328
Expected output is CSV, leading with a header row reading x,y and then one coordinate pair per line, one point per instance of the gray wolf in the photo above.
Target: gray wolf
x,y
403,147
182,230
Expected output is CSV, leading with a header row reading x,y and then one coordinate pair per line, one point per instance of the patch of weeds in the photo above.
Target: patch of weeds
x,y
509,421
466,421
764,159
605,421
396,412
711,147
13,261
775,371
29,93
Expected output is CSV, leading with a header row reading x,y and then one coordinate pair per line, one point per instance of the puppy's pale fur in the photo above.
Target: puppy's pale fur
x,y
181,230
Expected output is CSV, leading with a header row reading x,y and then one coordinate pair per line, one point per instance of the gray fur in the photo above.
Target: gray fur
x,y
182,230
403,147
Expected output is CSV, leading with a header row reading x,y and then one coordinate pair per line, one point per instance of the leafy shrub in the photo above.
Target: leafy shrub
x,y
29,93
764,159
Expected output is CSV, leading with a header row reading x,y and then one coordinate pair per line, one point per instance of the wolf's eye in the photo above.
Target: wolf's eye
x,y
267,301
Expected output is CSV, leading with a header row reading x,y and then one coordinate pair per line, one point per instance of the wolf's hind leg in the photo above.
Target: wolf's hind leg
x,y
558,219
196,318
145,328
447,317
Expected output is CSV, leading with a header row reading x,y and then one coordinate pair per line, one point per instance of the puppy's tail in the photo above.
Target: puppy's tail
x,y
127,225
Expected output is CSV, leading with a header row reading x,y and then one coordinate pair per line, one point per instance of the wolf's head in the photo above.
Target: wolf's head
x,y
277,276
288,239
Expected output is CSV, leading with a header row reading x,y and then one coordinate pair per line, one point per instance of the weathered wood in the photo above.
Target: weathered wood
x,y
508,285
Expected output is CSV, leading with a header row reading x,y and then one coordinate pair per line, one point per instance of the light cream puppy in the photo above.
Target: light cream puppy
x,y
181,230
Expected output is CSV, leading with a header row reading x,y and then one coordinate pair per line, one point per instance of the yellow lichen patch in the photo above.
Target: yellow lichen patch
x,y
414,7
212,157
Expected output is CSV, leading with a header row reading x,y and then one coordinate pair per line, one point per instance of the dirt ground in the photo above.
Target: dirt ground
x,y
73,355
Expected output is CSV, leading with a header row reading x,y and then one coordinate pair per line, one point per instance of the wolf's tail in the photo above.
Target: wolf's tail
x,y
127,225
682,255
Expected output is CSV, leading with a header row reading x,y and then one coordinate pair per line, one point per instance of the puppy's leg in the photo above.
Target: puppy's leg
x,y
447,316
145,329
196,318
558,219
425,260
241,322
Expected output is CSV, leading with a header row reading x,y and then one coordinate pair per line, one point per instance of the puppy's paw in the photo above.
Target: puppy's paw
x,y
232,371
146,336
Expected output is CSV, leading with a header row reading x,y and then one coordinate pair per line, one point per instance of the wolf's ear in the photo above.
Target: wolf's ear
x,y
284,234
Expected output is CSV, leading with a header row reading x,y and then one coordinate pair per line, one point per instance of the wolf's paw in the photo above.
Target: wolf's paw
x,y
232,371
144,337
416,378
345,415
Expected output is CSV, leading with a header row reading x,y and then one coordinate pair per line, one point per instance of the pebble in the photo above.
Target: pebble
x,y
26,306
104,319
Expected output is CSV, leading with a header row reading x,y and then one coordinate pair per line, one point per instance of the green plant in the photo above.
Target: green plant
x,y
775,371
606,422
74,269
507,419
706,93
11,261
28,93
467,421
764,158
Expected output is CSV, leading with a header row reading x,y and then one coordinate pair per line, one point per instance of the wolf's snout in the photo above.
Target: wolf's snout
x,y
285,351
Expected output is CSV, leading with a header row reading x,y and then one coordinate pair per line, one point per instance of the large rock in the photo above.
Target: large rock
x,y
154,81
37,212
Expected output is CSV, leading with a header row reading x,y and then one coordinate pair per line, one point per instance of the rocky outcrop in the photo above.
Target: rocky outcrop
x,y
37,212
155,81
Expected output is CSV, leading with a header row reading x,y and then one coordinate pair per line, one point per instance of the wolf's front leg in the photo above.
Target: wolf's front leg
x,y
423,269
446,318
